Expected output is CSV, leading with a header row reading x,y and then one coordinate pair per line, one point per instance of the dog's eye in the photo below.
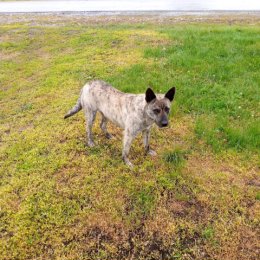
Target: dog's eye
x,y
167,110
156,111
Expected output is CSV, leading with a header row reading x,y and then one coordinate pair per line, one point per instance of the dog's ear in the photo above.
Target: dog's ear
x,y
170,94
149,95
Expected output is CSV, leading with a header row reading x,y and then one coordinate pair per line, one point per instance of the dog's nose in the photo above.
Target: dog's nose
x,y
164,123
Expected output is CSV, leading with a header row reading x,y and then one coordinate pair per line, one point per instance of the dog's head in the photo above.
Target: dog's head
x,y
158,108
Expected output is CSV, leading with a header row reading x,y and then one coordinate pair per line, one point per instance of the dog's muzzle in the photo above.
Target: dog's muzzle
x,y
163,124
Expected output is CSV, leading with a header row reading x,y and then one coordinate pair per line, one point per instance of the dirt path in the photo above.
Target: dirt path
x,y
249,18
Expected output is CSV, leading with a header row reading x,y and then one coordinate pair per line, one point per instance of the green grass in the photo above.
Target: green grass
x,y
198,199
175,157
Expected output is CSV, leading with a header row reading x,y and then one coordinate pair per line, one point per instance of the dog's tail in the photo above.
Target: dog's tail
x,y
75,109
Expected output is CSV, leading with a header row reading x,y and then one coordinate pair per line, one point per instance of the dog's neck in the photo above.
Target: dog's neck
x,y
148,121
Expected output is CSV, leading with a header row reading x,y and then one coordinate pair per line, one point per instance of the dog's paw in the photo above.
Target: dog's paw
x,y
91,144
152,152
128,163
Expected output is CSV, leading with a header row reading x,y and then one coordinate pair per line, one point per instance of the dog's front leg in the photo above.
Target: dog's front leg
x,y
146,138
128,138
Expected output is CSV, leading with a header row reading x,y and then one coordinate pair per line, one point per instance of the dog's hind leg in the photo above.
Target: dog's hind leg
x,y
103,126
90,118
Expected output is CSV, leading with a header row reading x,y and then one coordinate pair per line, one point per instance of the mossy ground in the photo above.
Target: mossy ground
x,y
198,199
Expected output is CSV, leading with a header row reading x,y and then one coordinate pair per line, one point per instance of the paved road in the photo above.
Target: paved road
x,y
128,5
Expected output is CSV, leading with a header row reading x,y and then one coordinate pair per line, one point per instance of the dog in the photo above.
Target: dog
x,y
134,113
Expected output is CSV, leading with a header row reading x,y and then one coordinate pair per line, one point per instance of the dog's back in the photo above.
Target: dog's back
x,y
112,103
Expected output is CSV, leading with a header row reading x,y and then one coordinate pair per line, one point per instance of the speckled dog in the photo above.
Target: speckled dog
x,y
133,113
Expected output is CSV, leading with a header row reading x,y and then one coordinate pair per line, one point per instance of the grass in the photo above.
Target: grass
x,y
175,157
198,199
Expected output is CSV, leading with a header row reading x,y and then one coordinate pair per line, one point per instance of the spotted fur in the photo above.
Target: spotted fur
x,y
134,113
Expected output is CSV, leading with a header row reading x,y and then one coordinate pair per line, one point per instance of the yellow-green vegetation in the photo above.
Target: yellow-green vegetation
x,y
198,199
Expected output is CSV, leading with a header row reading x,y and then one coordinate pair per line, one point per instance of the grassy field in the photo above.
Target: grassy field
x,y
198,199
